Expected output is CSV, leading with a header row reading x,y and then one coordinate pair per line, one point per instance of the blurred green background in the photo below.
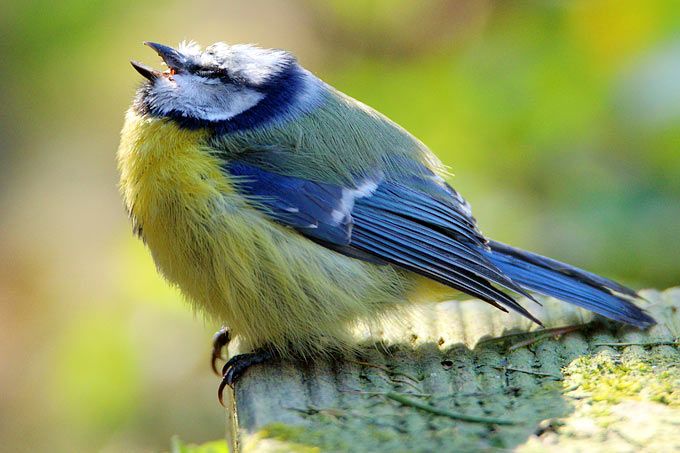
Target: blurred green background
x,y
561,121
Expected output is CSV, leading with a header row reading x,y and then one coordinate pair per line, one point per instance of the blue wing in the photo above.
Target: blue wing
x,y
424,227
421,224
303,205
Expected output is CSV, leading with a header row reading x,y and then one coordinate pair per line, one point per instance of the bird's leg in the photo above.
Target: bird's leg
x,y
238,364
220,340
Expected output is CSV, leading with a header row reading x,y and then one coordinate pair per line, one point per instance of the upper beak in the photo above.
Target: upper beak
x,y
170,56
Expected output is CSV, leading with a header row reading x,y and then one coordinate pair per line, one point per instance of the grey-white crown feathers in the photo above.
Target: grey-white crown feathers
x,y
245,62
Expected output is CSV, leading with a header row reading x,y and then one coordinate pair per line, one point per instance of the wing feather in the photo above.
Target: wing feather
x,y
387,222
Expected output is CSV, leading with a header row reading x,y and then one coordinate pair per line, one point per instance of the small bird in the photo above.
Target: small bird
x,y
290,212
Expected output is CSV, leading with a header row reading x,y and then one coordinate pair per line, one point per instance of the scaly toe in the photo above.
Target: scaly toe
x,y
237,365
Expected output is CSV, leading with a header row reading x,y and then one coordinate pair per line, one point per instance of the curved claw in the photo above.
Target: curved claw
x,y
220,340
237,365
220,391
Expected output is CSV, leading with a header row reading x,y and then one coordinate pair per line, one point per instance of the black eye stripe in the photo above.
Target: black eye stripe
x,y
212,73
217,73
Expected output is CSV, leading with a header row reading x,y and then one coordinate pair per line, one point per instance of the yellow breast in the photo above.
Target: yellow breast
x,y
158,161
172,187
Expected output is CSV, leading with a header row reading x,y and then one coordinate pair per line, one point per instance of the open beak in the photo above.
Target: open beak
x,y
173,59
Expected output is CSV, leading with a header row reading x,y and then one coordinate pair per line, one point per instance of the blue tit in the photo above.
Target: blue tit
x,y
290,212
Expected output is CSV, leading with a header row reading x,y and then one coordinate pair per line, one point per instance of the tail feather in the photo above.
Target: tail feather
x,y
562,281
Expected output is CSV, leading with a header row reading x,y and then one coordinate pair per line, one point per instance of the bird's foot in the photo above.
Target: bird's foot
x,y
238,364
220,340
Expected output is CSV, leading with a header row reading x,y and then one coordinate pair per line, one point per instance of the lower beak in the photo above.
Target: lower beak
x,y
146,71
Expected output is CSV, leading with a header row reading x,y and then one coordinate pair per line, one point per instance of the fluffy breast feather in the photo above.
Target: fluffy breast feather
x,y
266,282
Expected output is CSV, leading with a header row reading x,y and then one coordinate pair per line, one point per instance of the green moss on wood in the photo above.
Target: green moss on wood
x,y
608,377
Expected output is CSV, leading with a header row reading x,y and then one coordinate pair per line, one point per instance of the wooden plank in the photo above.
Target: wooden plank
x,y
602,387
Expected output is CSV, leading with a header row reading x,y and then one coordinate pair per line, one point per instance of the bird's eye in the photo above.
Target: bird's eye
x,y
172,72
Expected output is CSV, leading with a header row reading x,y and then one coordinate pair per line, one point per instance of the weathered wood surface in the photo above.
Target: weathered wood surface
x,y
604,387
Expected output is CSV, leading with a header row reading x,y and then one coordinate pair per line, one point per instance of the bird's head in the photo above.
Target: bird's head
x,y
220,83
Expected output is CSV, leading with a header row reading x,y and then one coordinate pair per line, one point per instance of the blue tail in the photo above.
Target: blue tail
x,y
562,281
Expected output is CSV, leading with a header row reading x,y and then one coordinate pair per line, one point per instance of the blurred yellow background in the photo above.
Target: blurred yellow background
x,y
560,119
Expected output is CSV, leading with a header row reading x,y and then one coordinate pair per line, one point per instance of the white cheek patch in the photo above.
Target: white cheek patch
x,y
202,98
349,196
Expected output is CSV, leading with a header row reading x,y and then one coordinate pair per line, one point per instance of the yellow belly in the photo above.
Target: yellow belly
x,y
266,282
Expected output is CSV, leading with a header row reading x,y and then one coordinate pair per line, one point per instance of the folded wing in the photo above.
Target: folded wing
x,y
424,227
